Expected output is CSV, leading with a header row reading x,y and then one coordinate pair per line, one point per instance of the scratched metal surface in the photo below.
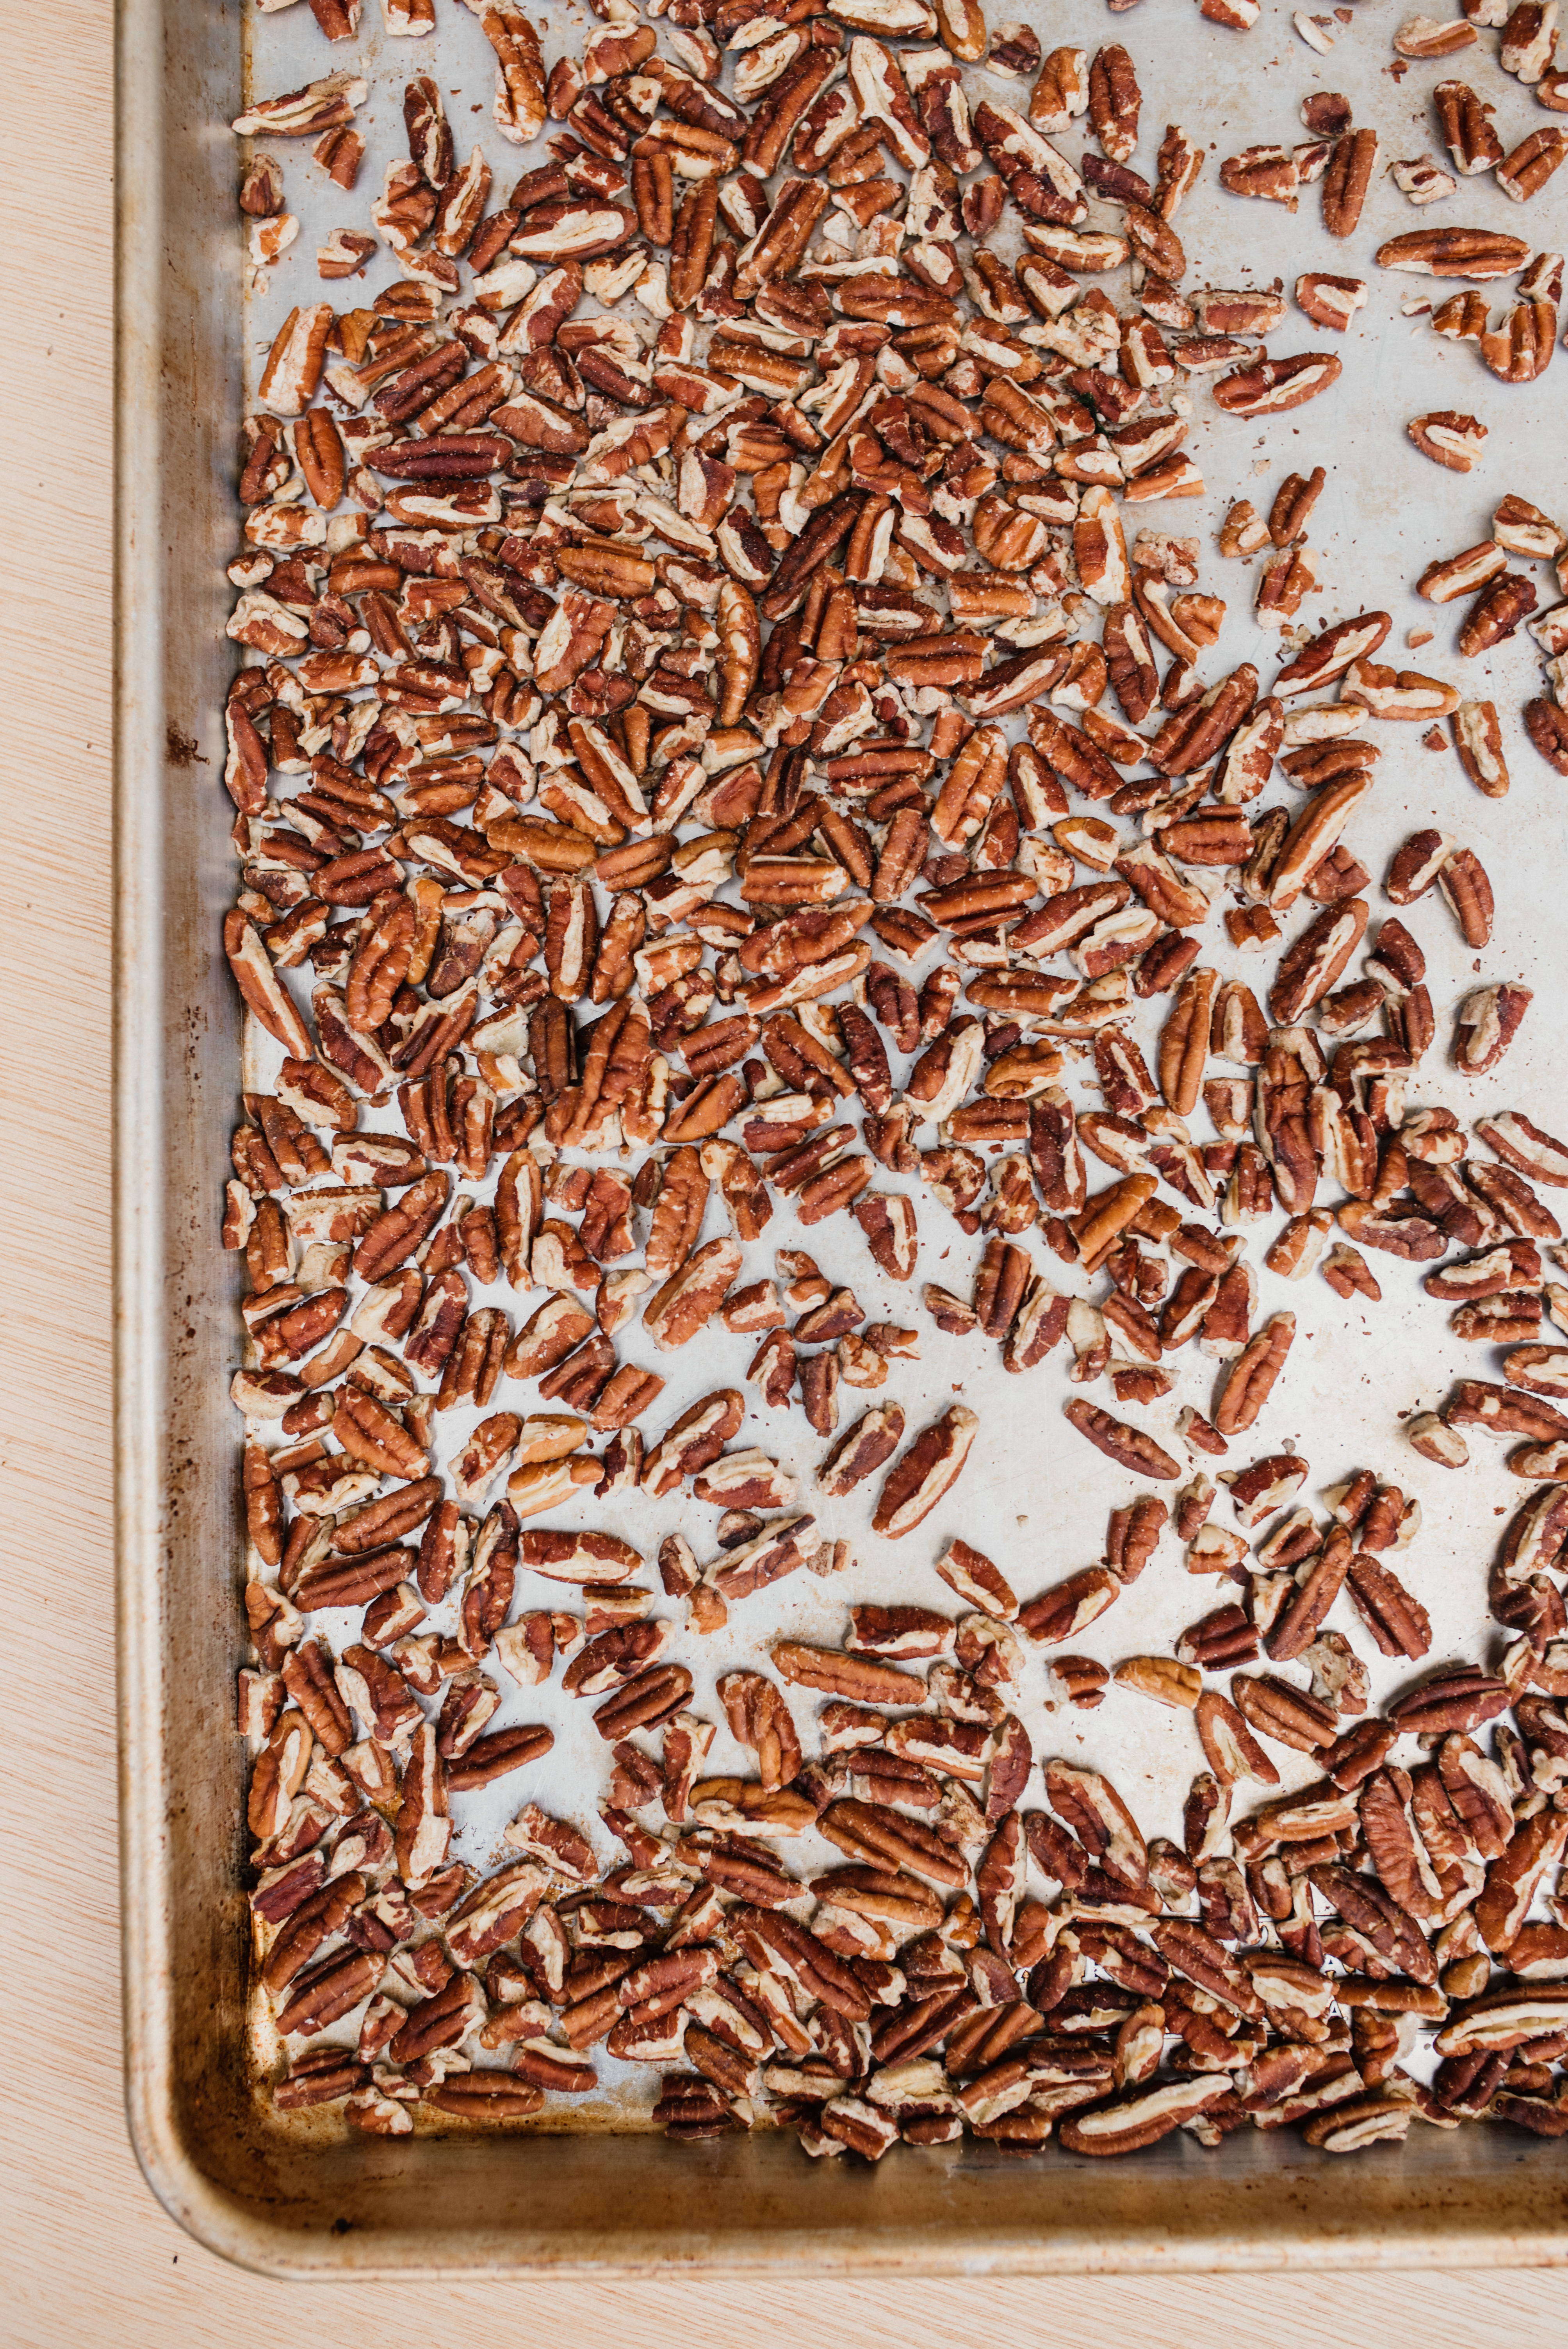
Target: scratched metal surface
x,y
1034,1496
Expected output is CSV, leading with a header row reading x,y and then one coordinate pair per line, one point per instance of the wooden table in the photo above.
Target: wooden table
x,y
89,2249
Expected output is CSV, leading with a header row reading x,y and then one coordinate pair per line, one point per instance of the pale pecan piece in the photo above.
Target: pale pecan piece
x,y
973,1576
1504,2019
1232,1750
1243,530
1523,529
1062,90
961,27
1521,1143
518,107
683,1306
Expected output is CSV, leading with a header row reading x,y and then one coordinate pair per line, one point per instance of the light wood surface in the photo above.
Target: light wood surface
x,y
89,2254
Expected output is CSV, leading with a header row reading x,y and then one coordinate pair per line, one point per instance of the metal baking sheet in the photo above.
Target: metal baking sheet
x,y
586,2186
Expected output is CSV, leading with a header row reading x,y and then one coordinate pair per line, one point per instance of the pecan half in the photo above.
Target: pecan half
x,y
927,1470
1474,253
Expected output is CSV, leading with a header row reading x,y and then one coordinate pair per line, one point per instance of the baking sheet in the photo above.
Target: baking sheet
x,y
1034,1497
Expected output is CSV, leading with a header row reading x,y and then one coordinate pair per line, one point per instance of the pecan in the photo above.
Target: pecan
x,y
1256,1491
1503,2018
1270,386
1062,90
1312,836
1069,1607
1266,173
1315,961
926,1472
1468,134
860,1679
1330,301
1523,529
687,1301
1486,1024
864,1448
1532,163
1221,1640
1289,1715
1243,530
1496,612
1144,2119
1399,1623
1232,1750
1528,36
1253,1373
1464,885
1455,1700
694,1441
974,1578
577,1558
1547,727
1473,252
819,549
1129,1446
1115,101
1478,739
1522,1144
1184,1041
1162,1678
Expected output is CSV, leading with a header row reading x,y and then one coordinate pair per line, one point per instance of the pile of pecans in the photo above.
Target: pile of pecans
x,y
615,677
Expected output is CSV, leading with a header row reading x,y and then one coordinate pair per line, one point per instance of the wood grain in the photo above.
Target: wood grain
x,y
88,2251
